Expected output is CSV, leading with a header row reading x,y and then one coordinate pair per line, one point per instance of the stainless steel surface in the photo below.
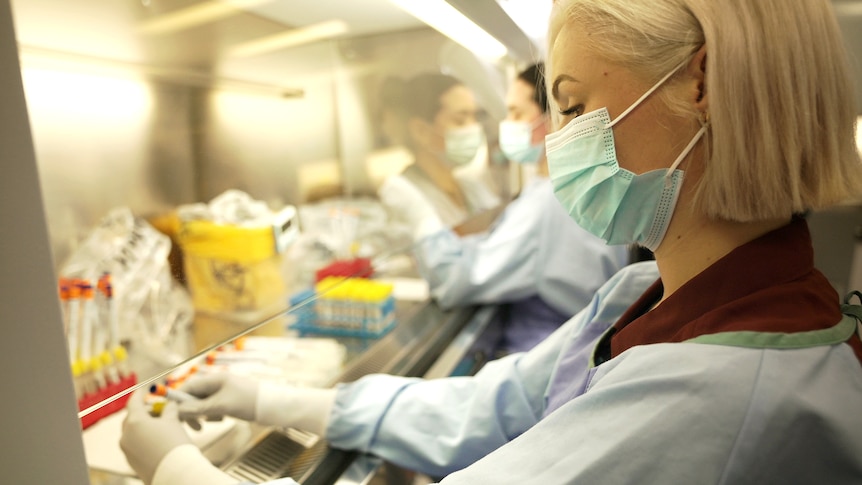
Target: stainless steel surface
x,y
125,118
461,344
363,16
360,471
834,235
409,350
849,14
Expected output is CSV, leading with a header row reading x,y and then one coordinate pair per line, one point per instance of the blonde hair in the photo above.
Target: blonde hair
x,y
781,102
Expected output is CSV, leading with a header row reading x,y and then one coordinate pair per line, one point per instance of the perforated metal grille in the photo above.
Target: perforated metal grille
x,y
278,454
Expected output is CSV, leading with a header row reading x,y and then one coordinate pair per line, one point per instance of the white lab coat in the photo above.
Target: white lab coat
x,y
478,195
533,248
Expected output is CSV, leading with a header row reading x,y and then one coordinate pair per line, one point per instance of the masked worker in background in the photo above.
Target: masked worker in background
x,y
535,263
438,122
702,130
522,133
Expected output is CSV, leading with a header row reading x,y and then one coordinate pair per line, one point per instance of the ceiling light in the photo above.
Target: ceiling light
x,y
303,35
447,20
196,15
46,59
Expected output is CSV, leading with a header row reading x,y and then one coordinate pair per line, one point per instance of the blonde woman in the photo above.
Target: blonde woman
x,y
702,130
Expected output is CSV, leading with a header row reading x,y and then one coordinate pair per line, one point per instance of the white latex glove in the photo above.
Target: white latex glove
x,y
219,395
405,203
302,408
269,404
147,439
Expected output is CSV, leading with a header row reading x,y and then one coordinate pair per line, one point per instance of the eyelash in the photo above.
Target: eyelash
x,y
577,109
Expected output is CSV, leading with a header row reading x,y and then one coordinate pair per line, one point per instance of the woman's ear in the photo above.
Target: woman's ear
x,y
418,131
697,69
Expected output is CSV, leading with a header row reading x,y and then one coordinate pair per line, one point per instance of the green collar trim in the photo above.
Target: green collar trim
x,y
839,333
777,340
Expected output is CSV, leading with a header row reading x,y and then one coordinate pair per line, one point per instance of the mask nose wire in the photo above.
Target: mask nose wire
x,y
645,95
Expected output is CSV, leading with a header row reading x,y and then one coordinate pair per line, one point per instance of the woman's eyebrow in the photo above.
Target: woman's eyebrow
x,y
555,90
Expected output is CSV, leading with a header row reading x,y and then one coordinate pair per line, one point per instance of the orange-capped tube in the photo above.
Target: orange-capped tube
x,y
64,288
170,394
86,289
104,285
74,288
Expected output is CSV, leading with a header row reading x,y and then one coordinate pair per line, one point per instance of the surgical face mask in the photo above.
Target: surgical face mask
x,y
516,138
462,144
603,198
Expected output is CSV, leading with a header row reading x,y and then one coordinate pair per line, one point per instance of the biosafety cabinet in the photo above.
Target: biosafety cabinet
x,y
118,115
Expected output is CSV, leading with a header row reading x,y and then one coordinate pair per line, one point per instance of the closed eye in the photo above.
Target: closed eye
x,y
576,110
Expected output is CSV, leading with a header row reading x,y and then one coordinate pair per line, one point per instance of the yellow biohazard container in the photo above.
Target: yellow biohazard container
x,y
232,268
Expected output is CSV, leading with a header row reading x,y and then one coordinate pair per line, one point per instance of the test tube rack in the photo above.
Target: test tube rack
x,y
347,307
99,363
111,389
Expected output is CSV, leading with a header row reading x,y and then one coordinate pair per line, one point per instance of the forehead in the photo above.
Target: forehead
x,y
457,99
569,49
573,62
520,94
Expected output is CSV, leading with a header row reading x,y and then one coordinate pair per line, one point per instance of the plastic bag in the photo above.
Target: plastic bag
x,y
154,313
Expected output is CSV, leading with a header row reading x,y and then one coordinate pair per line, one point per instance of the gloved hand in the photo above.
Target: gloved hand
x,y
219,395
147,439
270,404
405,203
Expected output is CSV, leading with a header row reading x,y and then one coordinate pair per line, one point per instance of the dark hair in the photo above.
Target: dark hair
x,y
417,97
535,76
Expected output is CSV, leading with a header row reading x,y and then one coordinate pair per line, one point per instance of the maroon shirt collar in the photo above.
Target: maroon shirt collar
x,y
766,285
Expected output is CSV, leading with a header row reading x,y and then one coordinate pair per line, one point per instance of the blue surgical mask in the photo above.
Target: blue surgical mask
x,y
462,144
516,138
606,200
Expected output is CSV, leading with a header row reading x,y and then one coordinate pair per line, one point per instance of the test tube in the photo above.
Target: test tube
x,y
171,394
234,357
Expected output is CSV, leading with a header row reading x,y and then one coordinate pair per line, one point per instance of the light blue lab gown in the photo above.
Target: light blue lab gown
x,y
535,259
663,413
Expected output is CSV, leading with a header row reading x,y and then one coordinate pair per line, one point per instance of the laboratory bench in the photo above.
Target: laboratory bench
x,y
426,341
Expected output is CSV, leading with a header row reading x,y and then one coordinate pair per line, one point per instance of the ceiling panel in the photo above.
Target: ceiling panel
x,y
363,16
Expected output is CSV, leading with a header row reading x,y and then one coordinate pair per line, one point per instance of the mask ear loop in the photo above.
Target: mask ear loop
x,y
645,95
667,176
